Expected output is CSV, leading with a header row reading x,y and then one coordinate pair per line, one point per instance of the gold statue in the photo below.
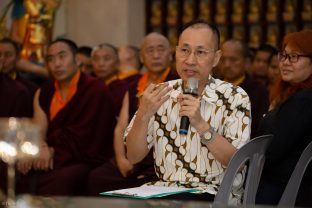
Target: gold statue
x,y
272,11
307,10
254,38
272,35
3,14
289,11
172,12
204,9
188,11
237,16
221,11
254,11
39,17
156,13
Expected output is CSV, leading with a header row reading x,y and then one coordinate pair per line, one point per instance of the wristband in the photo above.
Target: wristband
x,y
208,135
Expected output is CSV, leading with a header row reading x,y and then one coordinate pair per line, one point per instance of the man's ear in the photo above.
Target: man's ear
x,y
141,57
76,60
216,58
171,57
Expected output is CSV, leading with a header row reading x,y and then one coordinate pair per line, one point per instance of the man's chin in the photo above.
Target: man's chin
x,y
157,69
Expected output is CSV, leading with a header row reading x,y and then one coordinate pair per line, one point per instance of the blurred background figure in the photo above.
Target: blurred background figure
x,y
273,71
129,63
105,61
233,66
9,56
260,63
84,60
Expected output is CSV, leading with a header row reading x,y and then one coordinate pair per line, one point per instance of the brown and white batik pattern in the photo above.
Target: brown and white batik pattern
x,y
181,160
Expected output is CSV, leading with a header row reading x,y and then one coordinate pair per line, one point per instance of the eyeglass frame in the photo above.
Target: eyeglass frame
x,y
207,51
283,56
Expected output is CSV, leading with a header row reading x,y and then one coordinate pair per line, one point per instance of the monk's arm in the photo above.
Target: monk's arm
x,y
125,167
120,128
44,161
39,117
27,66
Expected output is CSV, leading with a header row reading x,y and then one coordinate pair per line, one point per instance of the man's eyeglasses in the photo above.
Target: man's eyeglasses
x,y
184,52
292,57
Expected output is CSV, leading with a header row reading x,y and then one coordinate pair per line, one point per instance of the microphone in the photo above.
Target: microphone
x,y
191,88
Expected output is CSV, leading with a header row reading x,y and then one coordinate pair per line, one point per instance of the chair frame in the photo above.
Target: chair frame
x,y
254,152
289,196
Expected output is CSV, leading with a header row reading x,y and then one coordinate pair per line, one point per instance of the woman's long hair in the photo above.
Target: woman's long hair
x,y
282,90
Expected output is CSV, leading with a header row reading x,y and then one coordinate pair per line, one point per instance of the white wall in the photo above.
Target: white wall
x,y
90,22
60,20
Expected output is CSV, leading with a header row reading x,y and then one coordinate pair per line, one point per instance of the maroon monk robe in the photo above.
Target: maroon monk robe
x,y
133,78
81,135
15,101
117,90
31,86
107,177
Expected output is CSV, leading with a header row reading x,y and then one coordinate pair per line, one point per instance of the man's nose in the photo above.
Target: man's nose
x,y
191,58
156,54
57,62
226,63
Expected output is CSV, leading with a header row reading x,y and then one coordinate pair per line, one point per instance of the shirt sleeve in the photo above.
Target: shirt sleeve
x,y
237,124
149,136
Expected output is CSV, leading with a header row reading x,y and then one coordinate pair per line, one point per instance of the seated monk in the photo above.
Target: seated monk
x,y
119,173
15,101
9,51
72,113
104,59
129,63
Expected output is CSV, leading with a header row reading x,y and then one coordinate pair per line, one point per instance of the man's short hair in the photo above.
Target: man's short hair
x,y
85,50
106,45
13,43
204,24
136,52
264,47
71,44
245,51
267,48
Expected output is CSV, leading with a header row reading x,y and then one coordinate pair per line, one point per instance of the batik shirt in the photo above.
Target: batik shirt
x,y
182,160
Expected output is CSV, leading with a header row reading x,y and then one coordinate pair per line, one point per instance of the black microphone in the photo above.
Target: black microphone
x,y
190,88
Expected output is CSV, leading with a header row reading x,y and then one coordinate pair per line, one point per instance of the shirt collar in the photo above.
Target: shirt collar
x,y
209,94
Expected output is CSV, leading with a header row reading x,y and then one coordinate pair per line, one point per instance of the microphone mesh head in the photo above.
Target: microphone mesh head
x,y
192,83
192,86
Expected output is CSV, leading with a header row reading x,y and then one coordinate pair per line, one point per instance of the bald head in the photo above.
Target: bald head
x,y
155,52
234,59
237,45
104,59
129,58
155,36
200,24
